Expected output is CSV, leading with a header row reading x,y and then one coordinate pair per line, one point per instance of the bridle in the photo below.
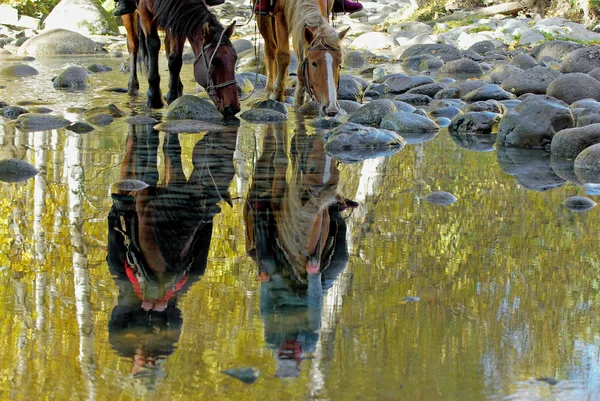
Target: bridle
x,y
210,85
304,70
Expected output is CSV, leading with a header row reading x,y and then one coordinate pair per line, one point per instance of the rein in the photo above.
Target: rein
x,y
210,85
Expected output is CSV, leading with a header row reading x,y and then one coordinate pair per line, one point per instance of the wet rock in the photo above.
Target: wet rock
x,y
565,169
475,122
40,110
428,89
353,143
116,54
595,73
473,141
579,203
72,78
83,16
131,185
452,92
241,45
488,92
189,107
423,62
401,84
447,103
441,198
141,119
500,73
535,80
510,104
272,105
110,109
355,59
100,119
555,49
375,91
308,109
523,61
587,117
443,51
15,170
80,127
448,112
40,122
471,55
462,67
589,104
572,141
349,106
442,122
401,106
263,115
325,123
530,167
492,106
533,122
582,60
589,159
573,87
372,113
18,70
188,126
349,88
59,41
470,85
259,81
247,375
12,112
401,122
483,46
414,100
96,68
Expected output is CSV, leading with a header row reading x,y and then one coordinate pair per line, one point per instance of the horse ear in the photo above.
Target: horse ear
x,y
230,29
308,35
343,33
205,30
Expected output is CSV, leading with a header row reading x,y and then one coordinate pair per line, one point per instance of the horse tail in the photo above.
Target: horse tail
x,y
143,49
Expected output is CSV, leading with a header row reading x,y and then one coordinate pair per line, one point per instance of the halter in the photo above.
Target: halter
x,y
305,71
210,86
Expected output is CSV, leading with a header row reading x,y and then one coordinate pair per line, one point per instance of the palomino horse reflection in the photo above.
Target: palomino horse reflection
x,y
159,237
316,44
296,235
214,67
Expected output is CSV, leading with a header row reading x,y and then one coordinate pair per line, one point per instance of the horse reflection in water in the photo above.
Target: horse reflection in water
x,y
159,237
296,235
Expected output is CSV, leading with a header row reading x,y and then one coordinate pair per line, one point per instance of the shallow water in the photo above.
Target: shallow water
x,y
504,281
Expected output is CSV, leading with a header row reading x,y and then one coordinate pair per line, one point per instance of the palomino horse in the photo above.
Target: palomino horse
x,y
214,67
317,47
159,237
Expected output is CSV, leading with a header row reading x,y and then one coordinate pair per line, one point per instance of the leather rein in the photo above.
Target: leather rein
x,y
210,85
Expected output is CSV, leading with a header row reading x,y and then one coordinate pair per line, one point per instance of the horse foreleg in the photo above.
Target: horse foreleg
x,y
266,28
175,62
282,56
153,45
130,24
299,95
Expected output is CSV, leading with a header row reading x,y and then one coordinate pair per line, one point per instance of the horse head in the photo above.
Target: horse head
x,y
321,67
214,68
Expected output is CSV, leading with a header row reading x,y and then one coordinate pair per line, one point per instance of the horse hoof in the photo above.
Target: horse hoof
x,y
155,104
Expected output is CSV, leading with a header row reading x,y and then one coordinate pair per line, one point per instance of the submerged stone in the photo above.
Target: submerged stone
x,y
16,170
353,143
141,119
131,185
441,198
80,127
263,115
40,122
13,112
187,126
72,78
579,203
189,107
247,375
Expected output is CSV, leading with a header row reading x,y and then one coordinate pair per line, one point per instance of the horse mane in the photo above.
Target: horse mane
x,y
182,18
306,13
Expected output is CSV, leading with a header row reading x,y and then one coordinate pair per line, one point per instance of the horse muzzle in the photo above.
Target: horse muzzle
x,y
330,110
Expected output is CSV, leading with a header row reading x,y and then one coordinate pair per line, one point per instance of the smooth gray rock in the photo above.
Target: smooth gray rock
x,y
488,92
372,113
259,81
589,104
141,119
349,106
72,78
535,80
582,60
355,59
189,107
16,170
530,167
501,72
401,122
427,89
579,203
448,112
492,106
349,88
555,49
423,62
463,67
401,106
589,159
570,142
263,116
353,143
587,117
18,70
97,68
575,86
443,51
482,47
475,122
412,99
100,119
440,198
401,84
40,122
523,61
83,16
59,41
271,104
533,123
324,123
12,112
188,126
80,127
111,109
595,73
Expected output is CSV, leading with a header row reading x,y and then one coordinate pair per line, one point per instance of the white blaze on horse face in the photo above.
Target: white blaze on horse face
x,y
330,81
327,171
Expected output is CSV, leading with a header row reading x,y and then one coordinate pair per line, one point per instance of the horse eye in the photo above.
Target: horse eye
x,y
314,64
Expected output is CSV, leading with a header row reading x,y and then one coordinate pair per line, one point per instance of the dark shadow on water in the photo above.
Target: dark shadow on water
x,y
565,169
473,141
296,235
158,240
530,167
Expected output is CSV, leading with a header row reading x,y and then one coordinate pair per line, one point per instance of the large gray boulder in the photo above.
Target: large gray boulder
x,y
555,49
588,159
463,67
72,78
372,113
402,121
533,123
523,61
575,86
535,80
59,41
83,16
442,51
582,60
18,70
189,107
488,92
475,122
349,88
40,122
500,73
568,143
403,83
16,170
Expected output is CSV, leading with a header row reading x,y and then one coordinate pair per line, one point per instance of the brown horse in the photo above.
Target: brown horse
x,y
317,47
214,67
